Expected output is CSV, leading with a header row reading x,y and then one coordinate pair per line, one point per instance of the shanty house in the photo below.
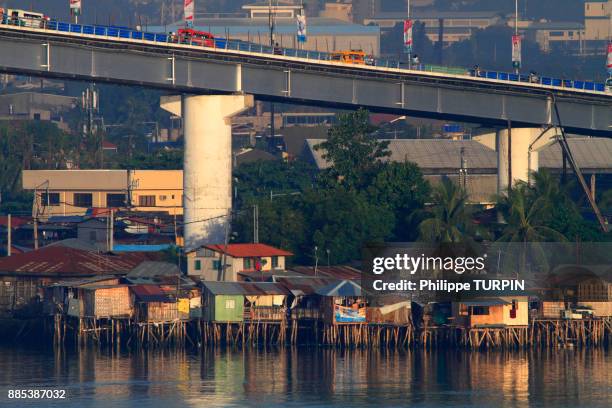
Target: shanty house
x,y
497,311
306,304
155,304
66,297
22,276
596,295
390,309
342,302
106,301
244,301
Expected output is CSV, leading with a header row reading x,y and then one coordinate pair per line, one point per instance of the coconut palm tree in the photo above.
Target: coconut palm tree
x,y
526,210
450,219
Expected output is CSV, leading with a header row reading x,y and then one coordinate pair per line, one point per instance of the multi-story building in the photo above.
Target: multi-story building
x,y
241,261
74,192
597,20
36,106
453,25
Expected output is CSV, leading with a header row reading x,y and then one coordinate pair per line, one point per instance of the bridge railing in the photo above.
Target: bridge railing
x,y
223,43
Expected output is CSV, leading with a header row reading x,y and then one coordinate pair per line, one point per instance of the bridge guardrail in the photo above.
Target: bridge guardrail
x,y
223,43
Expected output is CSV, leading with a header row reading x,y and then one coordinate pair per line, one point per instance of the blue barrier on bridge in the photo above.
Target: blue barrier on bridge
x,y
222,43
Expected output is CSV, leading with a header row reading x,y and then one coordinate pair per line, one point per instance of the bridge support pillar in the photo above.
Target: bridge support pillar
x,y
517,154
207,165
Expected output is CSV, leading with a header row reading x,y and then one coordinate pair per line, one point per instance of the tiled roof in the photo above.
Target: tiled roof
x,y
248,250
68,262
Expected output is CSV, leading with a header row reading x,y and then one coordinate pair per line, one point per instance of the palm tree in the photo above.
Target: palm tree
x,y
450,218
525,210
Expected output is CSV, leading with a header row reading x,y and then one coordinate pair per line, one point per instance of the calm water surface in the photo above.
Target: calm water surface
x,y
311,377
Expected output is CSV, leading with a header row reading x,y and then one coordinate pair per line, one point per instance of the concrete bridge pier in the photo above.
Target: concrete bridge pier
x,y
517,153
207,165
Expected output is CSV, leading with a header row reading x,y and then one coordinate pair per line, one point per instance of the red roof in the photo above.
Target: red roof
x,y
248,250
108,145
149,293
64,261
16,222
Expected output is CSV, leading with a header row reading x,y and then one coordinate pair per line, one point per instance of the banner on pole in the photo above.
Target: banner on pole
x,y
609,61
301,28
189,8
408,25
75,7
516,51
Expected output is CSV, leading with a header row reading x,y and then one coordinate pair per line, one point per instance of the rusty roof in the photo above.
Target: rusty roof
x,y
336,272
245,288
68,262
150,293
305,285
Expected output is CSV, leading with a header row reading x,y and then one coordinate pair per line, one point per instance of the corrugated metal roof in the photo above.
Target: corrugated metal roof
x,y
305,285
432,154
436,156
590,153
245,288
343,288
64,261
152,269
150,293
72,283
485,302
336,272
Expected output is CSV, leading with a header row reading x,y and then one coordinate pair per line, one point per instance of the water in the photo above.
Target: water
x,y
311,377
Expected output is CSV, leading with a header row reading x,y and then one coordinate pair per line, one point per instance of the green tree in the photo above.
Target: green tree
x,y
160,160
401,188
260,178
342,221
561,213
353,152
282,223
450,218
525,214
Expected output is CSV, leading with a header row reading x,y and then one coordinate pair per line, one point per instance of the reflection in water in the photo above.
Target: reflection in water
x,y
298,377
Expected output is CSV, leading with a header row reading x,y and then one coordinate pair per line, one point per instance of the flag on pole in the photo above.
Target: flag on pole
x,y
189,12
75,7
609,61
408,24
301,28
516,51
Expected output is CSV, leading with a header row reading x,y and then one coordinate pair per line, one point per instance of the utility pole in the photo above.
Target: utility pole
x,y
463,171
111,239
8,239
36,232
255,224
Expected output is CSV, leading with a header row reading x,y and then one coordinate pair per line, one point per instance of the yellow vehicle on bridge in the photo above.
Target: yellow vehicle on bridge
x,y
357,57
